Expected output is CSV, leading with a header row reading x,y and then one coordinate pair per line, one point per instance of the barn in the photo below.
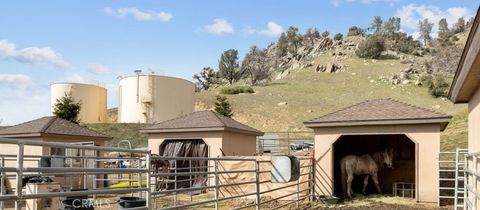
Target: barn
x,y
413,133
202,134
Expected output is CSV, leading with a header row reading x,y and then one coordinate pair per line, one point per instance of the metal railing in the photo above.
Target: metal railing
x,y
222,188
451,166
471,181
285,143
15,166
87,166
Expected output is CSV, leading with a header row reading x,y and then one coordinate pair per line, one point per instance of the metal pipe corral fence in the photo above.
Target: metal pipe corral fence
x,y
205,181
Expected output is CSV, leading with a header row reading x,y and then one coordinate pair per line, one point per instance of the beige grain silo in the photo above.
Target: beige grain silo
x,y
154,98
92,97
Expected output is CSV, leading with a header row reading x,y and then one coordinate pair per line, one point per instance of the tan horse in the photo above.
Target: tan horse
x,y
366,164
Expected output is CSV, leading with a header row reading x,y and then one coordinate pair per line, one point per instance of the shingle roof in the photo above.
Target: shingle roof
x,y
201,120
379,111
51,125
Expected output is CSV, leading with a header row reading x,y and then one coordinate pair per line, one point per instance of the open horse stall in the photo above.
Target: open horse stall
x,y
413,133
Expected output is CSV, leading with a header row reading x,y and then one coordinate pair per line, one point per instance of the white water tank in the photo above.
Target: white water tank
x,y
92,97
154,98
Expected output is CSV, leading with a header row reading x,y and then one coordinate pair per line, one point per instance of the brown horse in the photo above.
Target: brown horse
x,y
351,165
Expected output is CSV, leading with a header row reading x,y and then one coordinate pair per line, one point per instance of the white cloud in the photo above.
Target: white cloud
x,y
76,78
272,30
138,14
248,30
18,80
411,14
6,48
98,68
336,3
32,55
219,26
37,55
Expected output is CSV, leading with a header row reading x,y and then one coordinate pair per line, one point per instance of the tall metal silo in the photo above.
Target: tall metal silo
x,y
92,97
154,98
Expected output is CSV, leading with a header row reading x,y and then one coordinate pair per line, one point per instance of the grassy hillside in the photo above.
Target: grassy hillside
x,y
122,131
309,94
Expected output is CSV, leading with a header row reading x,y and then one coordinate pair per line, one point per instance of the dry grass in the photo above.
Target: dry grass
x,y
309,94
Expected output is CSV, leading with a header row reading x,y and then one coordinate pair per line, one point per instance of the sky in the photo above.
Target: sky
x,y
42,42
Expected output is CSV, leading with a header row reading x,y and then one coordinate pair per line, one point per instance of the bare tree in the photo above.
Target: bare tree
x,y
377,23
256,65
206,78
425,30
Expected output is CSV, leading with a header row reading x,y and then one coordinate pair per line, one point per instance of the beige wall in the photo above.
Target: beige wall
x,y
160,98
426,138
212,139
232,143
239,144
474,122
92,97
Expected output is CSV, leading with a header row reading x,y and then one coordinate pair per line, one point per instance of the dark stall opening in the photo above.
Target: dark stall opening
x,y
194,148
403,161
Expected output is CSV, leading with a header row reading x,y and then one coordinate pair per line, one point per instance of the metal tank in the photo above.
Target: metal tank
x,y
154,98
92,97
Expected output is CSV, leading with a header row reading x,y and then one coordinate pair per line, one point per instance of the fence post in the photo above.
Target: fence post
x,y
2,183
18,201
175,184
257,185
474,182
465,183
149,186
215,174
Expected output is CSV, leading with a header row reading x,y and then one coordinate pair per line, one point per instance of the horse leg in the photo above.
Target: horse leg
x,y
365,183
375,180
349,186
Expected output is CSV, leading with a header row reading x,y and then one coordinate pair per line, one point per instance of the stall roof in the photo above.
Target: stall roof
x,y
467,75
50,125
201,121
380,112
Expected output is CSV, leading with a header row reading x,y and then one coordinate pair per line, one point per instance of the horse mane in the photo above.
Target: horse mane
x,y
378,158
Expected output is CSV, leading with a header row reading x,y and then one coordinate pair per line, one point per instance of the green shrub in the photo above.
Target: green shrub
x,y
437,85
372,47
232,90
355,31
338,36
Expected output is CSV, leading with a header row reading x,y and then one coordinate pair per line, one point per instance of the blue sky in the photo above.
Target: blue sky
x,y
95,41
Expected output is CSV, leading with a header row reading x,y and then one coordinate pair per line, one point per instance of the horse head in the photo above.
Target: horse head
x,y
388,157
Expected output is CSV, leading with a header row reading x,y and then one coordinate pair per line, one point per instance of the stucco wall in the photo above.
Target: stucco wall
x,y
212,139
426,138
474,122
238,144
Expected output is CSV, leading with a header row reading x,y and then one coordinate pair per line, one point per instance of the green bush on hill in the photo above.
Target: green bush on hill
x,y
372,47
232,90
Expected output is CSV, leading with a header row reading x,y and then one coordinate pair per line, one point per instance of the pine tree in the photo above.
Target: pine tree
x,y
66,108
228,67
223,107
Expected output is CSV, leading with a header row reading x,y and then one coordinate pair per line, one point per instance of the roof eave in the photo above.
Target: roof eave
x,y
442,121
16,135
176,130
469,56
206,129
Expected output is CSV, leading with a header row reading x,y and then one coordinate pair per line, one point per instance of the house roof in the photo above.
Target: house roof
x,y
50,125
467,76
379,112
201,121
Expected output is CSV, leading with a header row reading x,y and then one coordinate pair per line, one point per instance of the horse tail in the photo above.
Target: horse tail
x,y
343,176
